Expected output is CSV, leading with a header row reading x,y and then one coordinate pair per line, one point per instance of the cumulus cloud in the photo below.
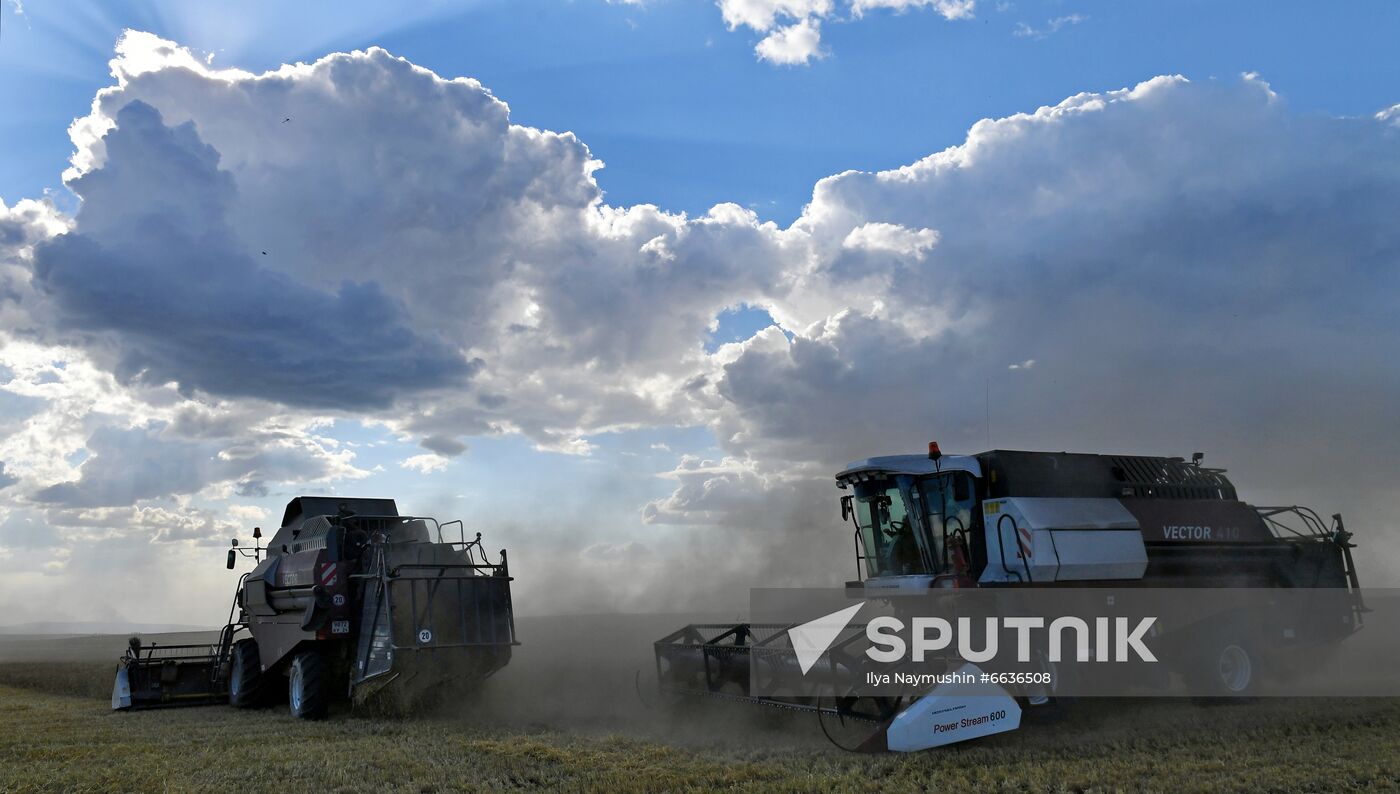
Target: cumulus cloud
x,y
764,15
709,492
1165,248
792,28
128,466
797,43
948,9
444,445
1173,254
182,299
891,238
377,252
425,464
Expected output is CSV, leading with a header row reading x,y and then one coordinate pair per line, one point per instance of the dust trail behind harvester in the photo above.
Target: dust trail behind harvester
x,y
596,674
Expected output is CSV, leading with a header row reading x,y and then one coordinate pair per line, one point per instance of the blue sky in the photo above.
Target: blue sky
x,y
678,107
600,386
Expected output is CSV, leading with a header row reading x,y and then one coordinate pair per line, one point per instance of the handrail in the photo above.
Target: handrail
x,y
1312,522
400,519
1001,549
962,529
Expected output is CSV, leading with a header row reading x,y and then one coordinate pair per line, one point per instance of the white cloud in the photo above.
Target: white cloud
x,y
793,27
1162,249
425,464
1050,27
948,9
247,513
797,43
709,492
891,238
765,15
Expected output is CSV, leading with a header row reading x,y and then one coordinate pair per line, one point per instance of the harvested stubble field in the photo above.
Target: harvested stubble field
x,y
573,721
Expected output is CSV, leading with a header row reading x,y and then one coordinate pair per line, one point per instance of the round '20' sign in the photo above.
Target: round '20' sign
x,y
425,636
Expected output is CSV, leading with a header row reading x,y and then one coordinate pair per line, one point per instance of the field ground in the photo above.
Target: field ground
x,y
579,724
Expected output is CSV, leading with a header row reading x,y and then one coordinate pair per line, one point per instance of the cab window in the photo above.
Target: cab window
x,y
886,532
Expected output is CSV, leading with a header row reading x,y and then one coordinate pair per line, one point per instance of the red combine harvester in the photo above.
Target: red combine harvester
x,y
349,600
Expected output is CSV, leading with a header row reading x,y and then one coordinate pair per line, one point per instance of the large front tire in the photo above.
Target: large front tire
x,y
308,686
245,679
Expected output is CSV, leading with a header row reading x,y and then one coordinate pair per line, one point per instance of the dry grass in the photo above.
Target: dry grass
x,y
78,679
54,741
579,726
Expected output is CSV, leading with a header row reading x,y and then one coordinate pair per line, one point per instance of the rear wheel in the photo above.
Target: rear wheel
x,y
308,686
1226,667
245,680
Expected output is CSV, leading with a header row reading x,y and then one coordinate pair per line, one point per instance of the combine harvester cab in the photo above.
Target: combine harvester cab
x,y
1015,519
349,601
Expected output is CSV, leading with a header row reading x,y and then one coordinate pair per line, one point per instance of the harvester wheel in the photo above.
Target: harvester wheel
x,y
245,682
308,686
1227,667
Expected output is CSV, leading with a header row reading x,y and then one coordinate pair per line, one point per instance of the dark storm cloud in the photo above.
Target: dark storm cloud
x,y
159,276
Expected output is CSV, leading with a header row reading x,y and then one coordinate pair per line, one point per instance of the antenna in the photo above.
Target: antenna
x,y
988,407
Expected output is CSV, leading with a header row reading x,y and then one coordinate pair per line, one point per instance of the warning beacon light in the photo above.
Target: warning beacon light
x,y
934,453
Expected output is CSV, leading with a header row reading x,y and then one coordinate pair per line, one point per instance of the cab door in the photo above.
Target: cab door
x,y
951,519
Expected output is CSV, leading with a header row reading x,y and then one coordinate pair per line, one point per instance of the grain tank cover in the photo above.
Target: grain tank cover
x,y
1032,539
1071,475
304,507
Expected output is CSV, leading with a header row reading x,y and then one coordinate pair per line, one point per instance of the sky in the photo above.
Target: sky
x,y
622,284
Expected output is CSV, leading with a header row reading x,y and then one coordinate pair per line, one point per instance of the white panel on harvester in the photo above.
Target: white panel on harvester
x,y
1035,539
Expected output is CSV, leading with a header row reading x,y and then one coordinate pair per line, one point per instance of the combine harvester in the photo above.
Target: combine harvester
x,y
348,600
1013,519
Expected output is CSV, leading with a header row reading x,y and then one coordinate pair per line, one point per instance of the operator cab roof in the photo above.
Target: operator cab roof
x,y
916,465
304,507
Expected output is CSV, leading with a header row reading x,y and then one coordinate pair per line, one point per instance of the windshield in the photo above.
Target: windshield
x,y
885,530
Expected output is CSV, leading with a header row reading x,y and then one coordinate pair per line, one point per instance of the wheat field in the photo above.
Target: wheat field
x,y
576,722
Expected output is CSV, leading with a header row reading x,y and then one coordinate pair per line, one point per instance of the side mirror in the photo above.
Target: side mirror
x,y
232,556
846,507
